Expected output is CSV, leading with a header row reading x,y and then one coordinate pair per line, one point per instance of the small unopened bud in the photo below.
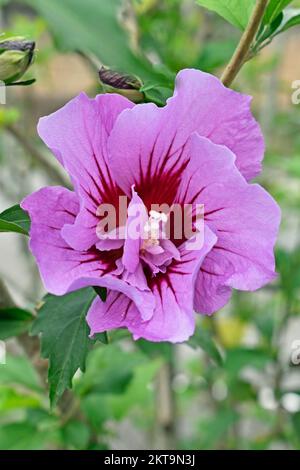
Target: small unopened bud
x,y
16,55
126,85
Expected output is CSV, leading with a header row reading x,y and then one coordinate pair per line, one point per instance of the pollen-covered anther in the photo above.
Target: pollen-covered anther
x,y
153,229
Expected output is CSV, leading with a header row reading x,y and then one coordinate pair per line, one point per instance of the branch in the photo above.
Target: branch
x,y
240,55
36,155
165,423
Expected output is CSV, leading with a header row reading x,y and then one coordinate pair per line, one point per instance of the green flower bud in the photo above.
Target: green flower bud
x,y
16,55
126,85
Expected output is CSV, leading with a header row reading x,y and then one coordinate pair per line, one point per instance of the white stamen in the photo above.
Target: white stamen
x,y
152,229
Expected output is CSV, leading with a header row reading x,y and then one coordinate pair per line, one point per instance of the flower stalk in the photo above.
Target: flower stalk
x,y
241,53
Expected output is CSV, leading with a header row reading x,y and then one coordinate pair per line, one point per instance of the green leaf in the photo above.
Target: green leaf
x,y
31,81
156,94
42,418
19,371
15,219
237,358
236,12
64,337
139,393
93,409
266,32
215,54
291,17
213,429
93,26
155,350
102,292
102,337
14,321
296,423
204,340
11,399
21,436
288,266
283,21
274,8
109,370
76,434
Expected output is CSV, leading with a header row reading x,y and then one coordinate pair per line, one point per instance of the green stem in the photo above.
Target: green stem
x,y
241,53
165,428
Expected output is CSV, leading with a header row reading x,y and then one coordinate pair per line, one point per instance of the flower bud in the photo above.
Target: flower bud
x,y
126,85
16,55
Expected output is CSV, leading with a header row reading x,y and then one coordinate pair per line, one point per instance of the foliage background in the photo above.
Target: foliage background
x,y
246,393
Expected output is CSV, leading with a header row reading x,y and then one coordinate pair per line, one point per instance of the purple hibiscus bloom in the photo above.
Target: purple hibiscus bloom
x,y
203,147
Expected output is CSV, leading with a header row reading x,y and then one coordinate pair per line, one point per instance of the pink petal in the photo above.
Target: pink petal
x,y
146,145
244,217
211,292
173,318
141,154
201,103
64,269
137,217
77,134
118,311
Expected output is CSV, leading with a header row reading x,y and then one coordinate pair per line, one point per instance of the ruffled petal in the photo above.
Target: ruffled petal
x,y
244,217
64,269
118,311
173,317
137,217
141,154
203,104
77,134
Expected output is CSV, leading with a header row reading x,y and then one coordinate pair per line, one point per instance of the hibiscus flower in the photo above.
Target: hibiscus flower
x,y
202,148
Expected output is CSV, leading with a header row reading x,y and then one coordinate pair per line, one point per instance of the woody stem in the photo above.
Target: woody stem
x,y
241,53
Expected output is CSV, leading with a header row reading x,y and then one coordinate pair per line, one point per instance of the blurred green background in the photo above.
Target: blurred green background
x,y
243,393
